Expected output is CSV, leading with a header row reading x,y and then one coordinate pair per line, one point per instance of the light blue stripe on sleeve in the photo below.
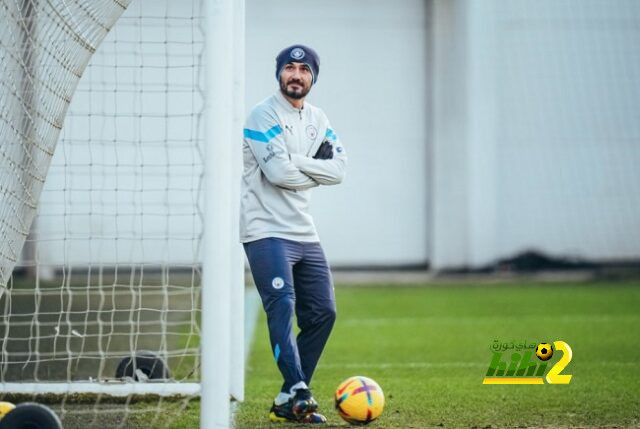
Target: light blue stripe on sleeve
x,y
265,137
331,135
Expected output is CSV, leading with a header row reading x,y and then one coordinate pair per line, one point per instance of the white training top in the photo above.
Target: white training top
x,y
279,170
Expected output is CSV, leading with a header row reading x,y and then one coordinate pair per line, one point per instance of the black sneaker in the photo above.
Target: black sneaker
x,y
283,413
303,403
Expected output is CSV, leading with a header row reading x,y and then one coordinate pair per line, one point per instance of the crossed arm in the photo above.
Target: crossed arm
x,y
293,171
327,166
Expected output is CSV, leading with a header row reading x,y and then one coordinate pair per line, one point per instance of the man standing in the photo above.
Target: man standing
x,y
289,147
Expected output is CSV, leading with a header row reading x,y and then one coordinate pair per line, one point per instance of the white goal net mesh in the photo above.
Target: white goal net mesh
x,y
46,46
107,286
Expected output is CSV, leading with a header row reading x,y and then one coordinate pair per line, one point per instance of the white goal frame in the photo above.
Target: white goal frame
x,y
222,324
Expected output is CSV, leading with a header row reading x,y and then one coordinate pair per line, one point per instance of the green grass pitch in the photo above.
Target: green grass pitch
x,y
428,347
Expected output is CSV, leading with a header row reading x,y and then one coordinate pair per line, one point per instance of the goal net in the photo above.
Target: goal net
x,y
103,127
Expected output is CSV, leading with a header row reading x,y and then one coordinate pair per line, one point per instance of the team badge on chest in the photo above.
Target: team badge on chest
x,y
312,132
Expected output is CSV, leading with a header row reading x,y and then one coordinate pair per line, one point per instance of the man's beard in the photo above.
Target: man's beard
x,y
296,95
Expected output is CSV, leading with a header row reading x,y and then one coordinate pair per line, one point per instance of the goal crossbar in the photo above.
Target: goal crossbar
x,y
117,389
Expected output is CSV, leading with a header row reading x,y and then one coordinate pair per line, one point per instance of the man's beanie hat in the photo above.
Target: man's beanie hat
x,y
298,54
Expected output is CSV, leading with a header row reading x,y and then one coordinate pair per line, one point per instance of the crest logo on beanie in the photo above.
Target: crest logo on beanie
x,y
297,53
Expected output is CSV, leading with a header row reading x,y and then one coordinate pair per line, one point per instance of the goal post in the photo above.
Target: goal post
x,y
222,294
237,328
138,215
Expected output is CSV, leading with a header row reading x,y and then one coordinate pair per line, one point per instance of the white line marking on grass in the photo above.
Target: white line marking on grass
x,y
385,365
436,365
571,318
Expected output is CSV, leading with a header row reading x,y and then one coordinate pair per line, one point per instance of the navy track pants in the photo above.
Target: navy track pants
x,y
294,276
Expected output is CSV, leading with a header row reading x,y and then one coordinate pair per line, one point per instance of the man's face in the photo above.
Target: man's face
x,y
295,80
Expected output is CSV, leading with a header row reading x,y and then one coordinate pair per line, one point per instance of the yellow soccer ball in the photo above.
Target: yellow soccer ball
x,y
359,400
5,408
544,351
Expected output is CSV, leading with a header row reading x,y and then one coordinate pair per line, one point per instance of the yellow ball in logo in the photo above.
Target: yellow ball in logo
x,y
359,400
544,351
5,408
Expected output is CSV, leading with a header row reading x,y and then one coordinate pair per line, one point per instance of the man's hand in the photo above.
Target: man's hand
x,y
325,151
